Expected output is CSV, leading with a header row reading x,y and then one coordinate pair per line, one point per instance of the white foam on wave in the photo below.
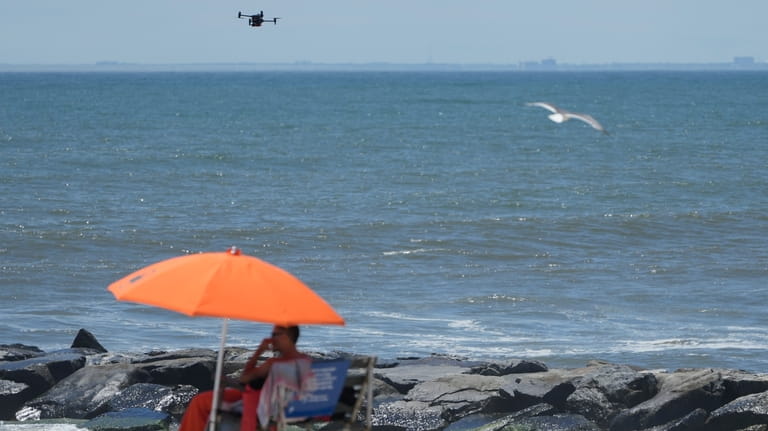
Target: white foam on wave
x,y
414,251
660,345
493,298
461,324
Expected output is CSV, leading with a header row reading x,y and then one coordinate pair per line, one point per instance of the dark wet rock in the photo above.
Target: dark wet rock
x,y
739,383
742,412
194,371
455,388
11,398
679,394
85,339
460,395
513,367
405,377
176,354
135,419
412,416
473,422
84,394
517,419
171,400
607,389
59,364
552,387
693,421
556,422
18,352
37,374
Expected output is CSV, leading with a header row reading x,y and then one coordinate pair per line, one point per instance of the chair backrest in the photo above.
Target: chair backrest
x,y
322,395
337,393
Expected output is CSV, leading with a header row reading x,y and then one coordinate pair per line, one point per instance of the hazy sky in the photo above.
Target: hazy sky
x,y
393,31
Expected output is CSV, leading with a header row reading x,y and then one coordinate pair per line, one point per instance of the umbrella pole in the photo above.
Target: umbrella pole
x,y
212,422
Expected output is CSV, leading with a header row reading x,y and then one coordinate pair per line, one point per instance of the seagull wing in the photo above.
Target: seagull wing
x,y
548,106
587,119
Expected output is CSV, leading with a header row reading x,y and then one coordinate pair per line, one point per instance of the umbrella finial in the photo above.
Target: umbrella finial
x,y
234,251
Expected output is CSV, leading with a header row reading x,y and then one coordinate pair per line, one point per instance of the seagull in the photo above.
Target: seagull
x,y
561,115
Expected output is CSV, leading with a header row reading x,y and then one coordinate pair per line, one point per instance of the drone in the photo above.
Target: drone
x,y
256,20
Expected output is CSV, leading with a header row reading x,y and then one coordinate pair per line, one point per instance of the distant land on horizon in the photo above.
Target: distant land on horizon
x,y
547,65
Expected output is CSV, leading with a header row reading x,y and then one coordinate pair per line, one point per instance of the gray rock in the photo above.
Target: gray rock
x,y
59,364
593,404
409,415
743,412
515,366
556,422
552,387
607,389
156,397
11,398
404,378
84,339
474,422
194,371
680,393
37,374
693,421
176,354
517,420
460,395
456,388
18,352
84,394
738,383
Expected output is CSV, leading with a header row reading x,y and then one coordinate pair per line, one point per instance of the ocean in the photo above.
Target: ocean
x,y
434,210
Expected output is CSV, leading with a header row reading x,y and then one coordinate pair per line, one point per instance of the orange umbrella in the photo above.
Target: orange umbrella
x,y
229,285
226,284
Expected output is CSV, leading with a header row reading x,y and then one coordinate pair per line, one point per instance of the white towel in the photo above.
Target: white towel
x,y
292,375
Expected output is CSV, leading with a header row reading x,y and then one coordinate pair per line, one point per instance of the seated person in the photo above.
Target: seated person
x,y
283,344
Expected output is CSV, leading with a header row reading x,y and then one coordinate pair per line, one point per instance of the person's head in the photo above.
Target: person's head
x,y
283,334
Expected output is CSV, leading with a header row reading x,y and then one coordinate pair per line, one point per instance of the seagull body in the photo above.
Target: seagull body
x,y
561,115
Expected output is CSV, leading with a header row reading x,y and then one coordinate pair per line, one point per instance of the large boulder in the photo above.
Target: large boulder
x,y
607,389
181,368
680,393
460,395
58,364
693,421
740,413
11,398
18,352
408,415
171,400
84,394
514,366
25,379
551,387
405,377
555,422
85,339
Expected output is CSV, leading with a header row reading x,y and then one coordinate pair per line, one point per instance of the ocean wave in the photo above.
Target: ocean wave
x,y
714,344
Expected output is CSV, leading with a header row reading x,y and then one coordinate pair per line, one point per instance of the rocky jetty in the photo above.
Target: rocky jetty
x,y
88,386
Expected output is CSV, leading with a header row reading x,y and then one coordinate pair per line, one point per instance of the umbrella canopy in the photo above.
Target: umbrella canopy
x,y
226,284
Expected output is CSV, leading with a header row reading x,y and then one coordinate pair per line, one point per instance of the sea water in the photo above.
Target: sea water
x,y
434,210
